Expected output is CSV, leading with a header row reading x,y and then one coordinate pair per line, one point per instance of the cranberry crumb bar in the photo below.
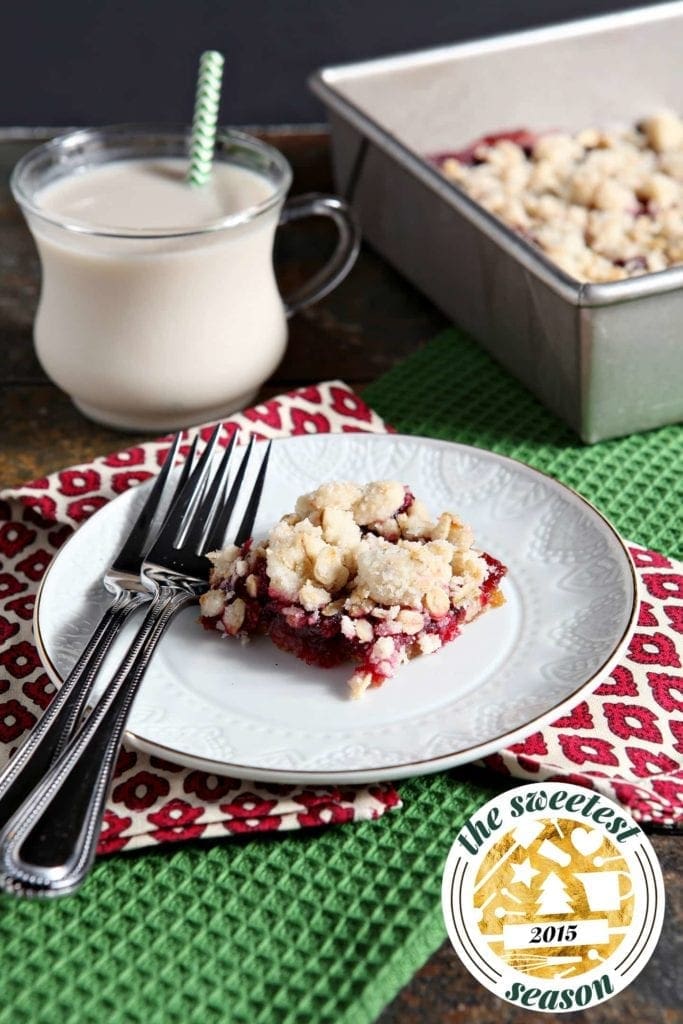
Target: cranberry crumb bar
x,y
604,205
356,573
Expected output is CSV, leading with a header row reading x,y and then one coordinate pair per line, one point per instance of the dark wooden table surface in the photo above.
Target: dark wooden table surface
x,y
374,320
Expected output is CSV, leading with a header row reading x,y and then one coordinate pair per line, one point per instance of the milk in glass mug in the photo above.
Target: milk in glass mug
x,y
159,306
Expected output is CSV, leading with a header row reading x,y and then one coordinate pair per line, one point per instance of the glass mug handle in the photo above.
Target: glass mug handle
x,y
315,204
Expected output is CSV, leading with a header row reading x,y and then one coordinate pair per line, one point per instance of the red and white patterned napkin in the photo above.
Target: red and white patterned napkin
x,y
153,801
625,740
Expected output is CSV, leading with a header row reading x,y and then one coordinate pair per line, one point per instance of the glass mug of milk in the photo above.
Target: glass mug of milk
x,y
159,306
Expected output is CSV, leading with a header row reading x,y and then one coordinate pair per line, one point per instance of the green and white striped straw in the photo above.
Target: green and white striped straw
x,y
205,118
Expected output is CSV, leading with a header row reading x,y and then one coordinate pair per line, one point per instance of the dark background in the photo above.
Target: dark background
x,y
74,62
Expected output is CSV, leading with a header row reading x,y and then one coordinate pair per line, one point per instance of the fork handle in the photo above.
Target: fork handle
x,y
49,736
48,846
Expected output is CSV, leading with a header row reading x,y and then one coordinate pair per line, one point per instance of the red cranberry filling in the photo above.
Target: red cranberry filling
x,y
313,644
522,136
492,581
318,639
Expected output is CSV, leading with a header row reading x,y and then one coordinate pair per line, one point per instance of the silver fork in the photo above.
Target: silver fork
x,y
122,579
48,846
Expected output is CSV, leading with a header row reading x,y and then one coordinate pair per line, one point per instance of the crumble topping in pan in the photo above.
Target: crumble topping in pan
x,y
604,205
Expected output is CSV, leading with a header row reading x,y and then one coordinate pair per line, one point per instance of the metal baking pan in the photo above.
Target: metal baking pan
x,y
606,358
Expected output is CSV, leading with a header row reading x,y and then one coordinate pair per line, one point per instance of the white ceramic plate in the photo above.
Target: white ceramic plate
x,y
253,711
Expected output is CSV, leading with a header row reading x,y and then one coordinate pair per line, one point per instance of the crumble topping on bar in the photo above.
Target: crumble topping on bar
x,y
355,572
604,205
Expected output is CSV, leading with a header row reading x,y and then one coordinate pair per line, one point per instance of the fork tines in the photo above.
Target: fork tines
x,y
201,516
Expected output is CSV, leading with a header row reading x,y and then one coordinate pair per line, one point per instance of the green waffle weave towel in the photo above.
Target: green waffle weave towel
x,y
453,390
